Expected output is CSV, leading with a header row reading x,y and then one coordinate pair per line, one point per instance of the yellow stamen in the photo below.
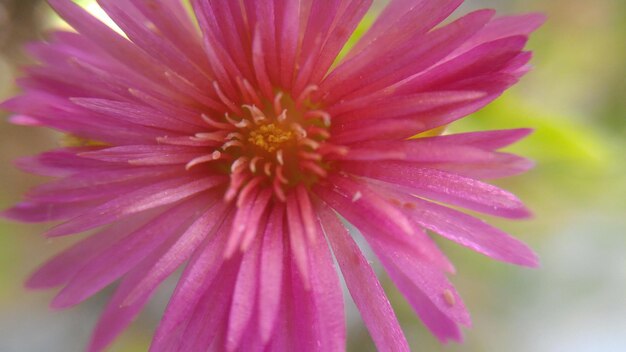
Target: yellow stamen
x,y
269,137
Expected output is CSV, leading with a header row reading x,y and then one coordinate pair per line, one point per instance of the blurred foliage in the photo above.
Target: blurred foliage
x,y
557,138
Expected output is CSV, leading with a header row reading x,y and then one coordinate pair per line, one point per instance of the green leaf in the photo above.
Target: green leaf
x,y
557,138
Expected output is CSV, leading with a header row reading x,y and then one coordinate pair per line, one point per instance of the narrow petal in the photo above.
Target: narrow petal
x,y
100,177
364,208
244,297
147,154
240,225
419,150
297,239
438,322
106,38
133,23
467,230
363,285
174,23
402,19
117,315
361,76
393,129
121,257
58,162
34,212
149,197
284,337
271,273
179,251
306,214
444,186
348,16
102,193
206,324
428,290
62,267
489,140
485,59
503,165
505,26
200,274
327,296
256,218
368,108
136,113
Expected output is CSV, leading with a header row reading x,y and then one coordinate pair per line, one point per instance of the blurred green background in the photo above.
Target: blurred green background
x,y
574,98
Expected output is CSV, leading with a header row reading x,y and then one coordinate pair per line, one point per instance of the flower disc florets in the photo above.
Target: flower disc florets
x,y
277,144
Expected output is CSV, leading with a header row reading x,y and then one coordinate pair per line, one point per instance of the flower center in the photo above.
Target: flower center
x,y
269,137
277,144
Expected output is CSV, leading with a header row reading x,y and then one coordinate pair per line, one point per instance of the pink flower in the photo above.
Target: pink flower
x,y
232,148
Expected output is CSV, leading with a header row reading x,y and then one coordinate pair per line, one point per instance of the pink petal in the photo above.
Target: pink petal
x,y
442,186
297,240
200,274
489,140
345,19
226,23
271,273
133,22
363,285
136,113
393,129
506,26
284,337
327,296
438,322
149,197
174,23
428,290
240,224
306,214
206,323
256,218
368,108
288,32
488,58
265,14
260,65
402,19
419,150
119,258
365,208
90,177
62,267
361,76
147,154
24,120
306,327
179,251
34,212
106,38
502,165
244,297
468,231
59,113
224,64
103,192
58,163
117,315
